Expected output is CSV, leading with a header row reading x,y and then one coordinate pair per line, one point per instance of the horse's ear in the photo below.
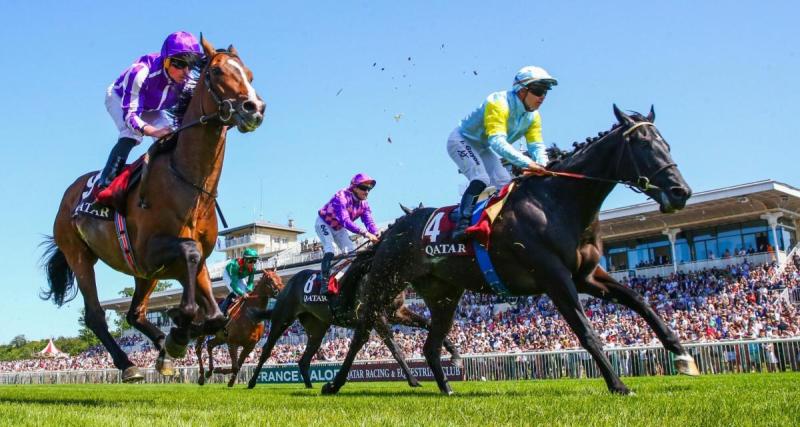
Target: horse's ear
x,y
208,48
622,118
651,116
232,50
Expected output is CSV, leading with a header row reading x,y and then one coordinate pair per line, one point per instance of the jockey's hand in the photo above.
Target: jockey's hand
x,y
372,238
534,168
157,133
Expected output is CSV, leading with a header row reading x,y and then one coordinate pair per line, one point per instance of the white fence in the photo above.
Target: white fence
x,y
711,358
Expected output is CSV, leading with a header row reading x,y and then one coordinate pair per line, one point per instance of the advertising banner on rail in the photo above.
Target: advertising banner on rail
x,y
388,371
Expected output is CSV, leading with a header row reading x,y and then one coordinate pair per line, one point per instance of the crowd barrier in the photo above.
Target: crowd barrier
x,y
723,357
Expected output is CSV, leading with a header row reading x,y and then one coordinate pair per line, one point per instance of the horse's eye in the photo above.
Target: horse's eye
x,y
216,71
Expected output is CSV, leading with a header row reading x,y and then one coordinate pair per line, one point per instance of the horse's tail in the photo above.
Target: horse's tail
x,y
60,277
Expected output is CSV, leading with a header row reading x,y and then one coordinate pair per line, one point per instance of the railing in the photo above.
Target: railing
x,y
711,358
688,267
250,239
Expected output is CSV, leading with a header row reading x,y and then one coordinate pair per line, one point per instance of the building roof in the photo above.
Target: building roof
x,y
708,208
262,224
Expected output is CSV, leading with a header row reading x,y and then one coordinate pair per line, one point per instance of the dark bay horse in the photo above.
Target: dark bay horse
x,y
241,330
171,239
543,241
317,318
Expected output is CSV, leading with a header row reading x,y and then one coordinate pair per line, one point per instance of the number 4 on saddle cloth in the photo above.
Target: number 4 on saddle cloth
x,y
437,235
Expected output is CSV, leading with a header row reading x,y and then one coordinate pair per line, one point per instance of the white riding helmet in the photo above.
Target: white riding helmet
x,y
533,75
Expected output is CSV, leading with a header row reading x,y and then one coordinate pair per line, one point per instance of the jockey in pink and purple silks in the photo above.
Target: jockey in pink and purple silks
x,y
137,101
337,217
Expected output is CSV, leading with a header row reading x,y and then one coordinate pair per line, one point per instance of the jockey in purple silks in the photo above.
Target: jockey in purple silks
x,y
336,218
137,100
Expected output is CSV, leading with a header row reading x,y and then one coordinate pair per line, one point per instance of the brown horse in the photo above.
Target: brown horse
x,y
241,330
175,235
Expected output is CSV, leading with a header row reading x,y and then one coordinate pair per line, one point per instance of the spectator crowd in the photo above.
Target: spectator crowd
x,y
739,302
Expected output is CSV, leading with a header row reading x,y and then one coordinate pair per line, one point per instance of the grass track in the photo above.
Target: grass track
x,y
724,400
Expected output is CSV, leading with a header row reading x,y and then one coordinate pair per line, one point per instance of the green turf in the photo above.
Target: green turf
x,y
724,400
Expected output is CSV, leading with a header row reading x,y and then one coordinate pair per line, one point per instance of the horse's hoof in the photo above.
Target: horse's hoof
x,y
131,374
201,380
251,384
622,391
329,389
174,350
414,384
165,366
448,392
686,366
309,386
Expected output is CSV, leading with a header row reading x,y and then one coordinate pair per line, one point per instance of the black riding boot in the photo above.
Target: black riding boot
x,y
116,161
223,306
325,272
465,209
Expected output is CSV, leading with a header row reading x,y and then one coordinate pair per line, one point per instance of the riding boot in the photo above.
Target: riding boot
x,y
116,161
325,273
465,209
223,306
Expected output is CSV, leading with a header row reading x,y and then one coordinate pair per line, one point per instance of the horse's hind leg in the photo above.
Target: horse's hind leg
x,y
81,261
315,331
137,317
442,312
233,352
382,328
405,316
603,286
210,345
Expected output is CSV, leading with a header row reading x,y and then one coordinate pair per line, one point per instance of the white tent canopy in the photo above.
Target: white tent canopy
x,y
51,351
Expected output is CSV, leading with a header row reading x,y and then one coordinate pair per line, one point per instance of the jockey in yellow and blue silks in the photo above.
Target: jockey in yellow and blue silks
x,y
503,118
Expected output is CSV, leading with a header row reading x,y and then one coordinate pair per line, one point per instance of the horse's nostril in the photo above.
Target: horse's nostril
x,y
679,192
249,107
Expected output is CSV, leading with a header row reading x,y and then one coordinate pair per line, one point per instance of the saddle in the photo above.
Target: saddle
x,y
437,235
104,203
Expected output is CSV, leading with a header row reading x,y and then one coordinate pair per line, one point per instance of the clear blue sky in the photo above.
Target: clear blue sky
x,y
723,78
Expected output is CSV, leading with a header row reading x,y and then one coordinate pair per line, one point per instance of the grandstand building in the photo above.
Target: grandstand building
x,y
757,221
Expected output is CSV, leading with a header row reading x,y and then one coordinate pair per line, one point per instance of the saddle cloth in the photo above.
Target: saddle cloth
x,y
103,203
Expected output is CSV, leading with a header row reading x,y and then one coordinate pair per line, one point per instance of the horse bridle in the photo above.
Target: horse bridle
x,y
225,107
642,183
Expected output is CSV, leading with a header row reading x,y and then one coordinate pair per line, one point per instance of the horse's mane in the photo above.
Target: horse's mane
x,y
558,155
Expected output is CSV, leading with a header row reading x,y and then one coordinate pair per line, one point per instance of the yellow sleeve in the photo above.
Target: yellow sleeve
x,y
495,117
534,133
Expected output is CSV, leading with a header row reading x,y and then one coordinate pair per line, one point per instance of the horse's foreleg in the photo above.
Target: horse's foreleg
x,y
198,351
281,319
214,320
360,337
178,338
562,291
603,286
233,350
210,345
246,349
382,328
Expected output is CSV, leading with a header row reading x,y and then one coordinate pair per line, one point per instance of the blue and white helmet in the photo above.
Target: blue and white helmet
x,y
533,75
